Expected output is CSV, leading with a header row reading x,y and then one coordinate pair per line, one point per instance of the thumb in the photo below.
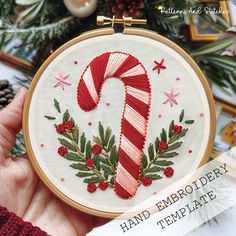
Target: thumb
x,y
10,121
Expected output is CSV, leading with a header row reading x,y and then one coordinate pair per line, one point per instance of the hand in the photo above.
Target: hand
x,y
21,190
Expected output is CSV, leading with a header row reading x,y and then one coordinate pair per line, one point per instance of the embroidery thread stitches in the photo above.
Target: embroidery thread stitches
x,y
97,161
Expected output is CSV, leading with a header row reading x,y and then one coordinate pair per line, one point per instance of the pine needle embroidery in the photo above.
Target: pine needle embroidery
x,y
96,161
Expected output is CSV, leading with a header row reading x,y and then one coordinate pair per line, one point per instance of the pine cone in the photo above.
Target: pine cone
x,y
6,93
127,8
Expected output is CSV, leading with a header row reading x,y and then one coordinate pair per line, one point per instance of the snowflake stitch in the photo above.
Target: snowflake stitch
x,y
171,97
62,81
159,66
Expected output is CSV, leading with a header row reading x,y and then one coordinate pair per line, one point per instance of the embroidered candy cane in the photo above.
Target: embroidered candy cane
x,y
135,115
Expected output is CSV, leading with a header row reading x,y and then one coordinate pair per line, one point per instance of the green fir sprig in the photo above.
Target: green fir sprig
x,y
96,160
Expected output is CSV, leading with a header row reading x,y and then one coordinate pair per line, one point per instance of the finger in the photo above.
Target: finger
x,y
98,221
10,123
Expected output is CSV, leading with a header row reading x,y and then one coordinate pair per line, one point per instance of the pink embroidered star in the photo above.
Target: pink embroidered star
x,y
171,97
159,66
62,81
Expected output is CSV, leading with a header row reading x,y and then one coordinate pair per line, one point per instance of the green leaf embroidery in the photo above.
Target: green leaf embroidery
x,y
189,121
114,156
155,177
163,163
107,135
107,170
151,152
181,117
82,142
66,116
75,134
50,117
163,135
93,180
111,143
173,146
79,166
88,150
157,141
84,174
168,155
97,163
57,105
144,161
67,144
171,128
101,133
112,180
72,156
154,169
97,140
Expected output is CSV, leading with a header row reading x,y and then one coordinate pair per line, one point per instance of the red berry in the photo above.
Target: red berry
x,y
60,129
96,149
62,151
168,171
69,125
89,163
163,146
177,129
147,180
103,185
91,187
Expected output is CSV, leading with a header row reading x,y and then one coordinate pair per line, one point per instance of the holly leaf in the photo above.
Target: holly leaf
x,y
50,117
57,105
79,166
168,155
181,117
67,144
155,177
88,153
66,116
75,134
101,133
92,180
107,135
163,135
111,143
171,128
82,142
144,161
151,152
84,174
154,169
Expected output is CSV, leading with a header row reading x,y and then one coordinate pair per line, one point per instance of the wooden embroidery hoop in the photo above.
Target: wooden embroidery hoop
x,y
96,33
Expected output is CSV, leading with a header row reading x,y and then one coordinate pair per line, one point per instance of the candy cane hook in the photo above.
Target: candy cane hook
x,y
135,115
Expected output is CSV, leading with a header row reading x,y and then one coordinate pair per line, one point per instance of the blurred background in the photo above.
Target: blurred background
x,y
30,30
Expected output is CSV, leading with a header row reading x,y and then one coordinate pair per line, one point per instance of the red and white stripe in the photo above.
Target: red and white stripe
x,y
135,116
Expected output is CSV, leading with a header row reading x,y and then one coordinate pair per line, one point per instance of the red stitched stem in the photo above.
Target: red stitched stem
x,y
135,114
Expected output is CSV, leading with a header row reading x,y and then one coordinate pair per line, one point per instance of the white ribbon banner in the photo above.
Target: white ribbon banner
x,y
182,206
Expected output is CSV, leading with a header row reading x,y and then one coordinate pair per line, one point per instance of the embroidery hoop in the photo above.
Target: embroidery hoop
x,y
97,33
